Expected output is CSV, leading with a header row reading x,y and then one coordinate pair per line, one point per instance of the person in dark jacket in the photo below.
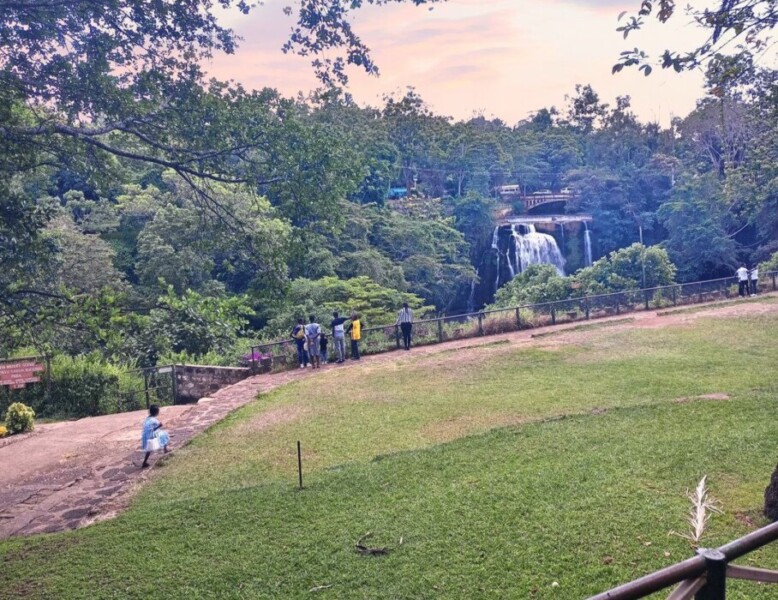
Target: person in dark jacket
x,y
323,342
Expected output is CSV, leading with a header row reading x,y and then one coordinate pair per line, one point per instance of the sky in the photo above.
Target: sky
x,y
499,58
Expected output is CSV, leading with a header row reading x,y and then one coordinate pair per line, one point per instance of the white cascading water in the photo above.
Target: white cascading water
x,y
587,245
496,248
471,298
533,248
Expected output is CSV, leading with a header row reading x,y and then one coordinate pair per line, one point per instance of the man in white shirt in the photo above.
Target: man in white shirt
x,y
742,280
754,280
405,321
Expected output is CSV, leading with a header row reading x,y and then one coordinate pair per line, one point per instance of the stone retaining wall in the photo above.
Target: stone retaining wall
x,y
197,381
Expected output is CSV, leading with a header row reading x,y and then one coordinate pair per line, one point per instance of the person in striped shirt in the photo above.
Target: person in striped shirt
x,y
405,321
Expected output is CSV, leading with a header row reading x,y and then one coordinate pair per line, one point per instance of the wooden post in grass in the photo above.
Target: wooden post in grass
x,y
397,335
518,319
440,330
299,464
480,323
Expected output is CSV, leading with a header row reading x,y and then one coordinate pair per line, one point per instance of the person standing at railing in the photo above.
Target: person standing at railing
x,y
339,335
312,333
298,335
405,321
355,329
754,276
323,342
742,280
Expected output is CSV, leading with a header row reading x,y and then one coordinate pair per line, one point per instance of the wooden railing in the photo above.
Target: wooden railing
x,y
703,577
502,320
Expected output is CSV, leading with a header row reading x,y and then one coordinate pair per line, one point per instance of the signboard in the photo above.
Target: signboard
x,y
19,373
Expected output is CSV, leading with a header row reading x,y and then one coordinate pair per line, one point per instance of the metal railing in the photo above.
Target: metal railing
x,y
502,320
703,577
159,387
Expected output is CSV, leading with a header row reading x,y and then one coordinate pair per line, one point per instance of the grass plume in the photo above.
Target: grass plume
x,y
702,509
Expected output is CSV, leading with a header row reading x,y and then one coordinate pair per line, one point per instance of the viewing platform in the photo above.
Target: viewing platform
x,y
510,219
510,193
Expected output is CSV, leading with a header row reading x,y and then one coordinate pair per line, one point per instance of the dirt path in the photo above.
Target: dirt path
x,y
71,474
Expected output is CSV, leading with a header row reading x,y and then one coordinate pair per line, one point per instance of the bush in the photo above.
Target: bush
x,y
85,386
80,386
771,264
3,431
19,418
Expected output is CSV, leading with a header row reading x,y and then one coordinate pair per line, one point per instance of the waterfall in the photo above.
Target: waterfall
x,y
587,245
535,248
496,248
511,269
471,298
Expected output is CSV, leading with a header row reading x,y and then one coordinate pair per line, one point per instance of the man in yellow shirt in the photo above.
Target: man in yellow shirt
x,y
355,328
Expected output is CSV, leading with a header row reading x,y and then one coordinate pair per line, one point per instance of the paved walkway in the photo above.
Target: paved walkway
x,y
71,474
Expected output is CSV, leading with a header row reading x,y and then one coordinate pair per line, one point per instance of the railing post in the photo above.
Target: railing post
x,y
675,302
645,298
716,576
774,288
146,387
174,387
254,367
440,331
397,334
518,318
618,305
553,314
480,323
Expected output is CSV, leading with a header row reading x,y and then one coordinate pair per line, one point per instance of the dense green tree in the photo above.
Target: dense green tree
x,y
633,267
535,285
377,305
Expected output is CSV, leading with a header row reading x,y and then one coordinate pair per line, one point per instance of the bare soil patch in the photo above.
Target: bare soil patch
x,y
717,396
271,418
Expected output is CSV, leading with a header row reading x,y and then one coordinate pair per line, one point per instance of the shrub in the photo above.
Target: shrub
x,y
771,264
85,386
3,431
19,418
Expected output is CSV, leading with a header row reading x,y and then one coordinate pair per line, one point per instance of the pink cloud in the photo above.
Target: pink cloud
x,y
506,57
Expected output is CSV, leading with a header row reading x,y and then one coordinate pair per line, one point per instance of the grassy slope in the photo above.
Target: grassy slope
x,y
501,514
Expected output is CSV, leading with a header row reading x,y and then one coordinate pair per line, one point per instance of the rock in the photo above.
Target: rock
x,y
771,497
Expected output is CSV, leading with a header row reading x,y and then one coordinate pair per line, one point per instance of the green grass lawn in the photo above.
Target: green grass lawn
x,y
409,451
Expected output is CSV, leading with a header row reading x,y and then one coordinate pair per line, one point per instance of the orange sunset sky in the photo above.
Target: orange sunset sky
x,y
503,58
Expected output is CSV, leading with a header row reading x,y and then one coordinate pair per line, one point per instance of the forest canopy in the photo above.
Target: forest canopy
x,y
147,212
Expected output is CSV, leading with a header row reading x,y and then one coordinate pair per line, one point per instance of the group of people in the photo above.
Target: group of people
x,y
312,341
312,346
748,281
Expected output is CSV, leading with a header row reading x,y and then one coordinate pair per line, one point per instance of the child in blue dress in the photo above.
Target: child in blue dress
x,y
154,437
